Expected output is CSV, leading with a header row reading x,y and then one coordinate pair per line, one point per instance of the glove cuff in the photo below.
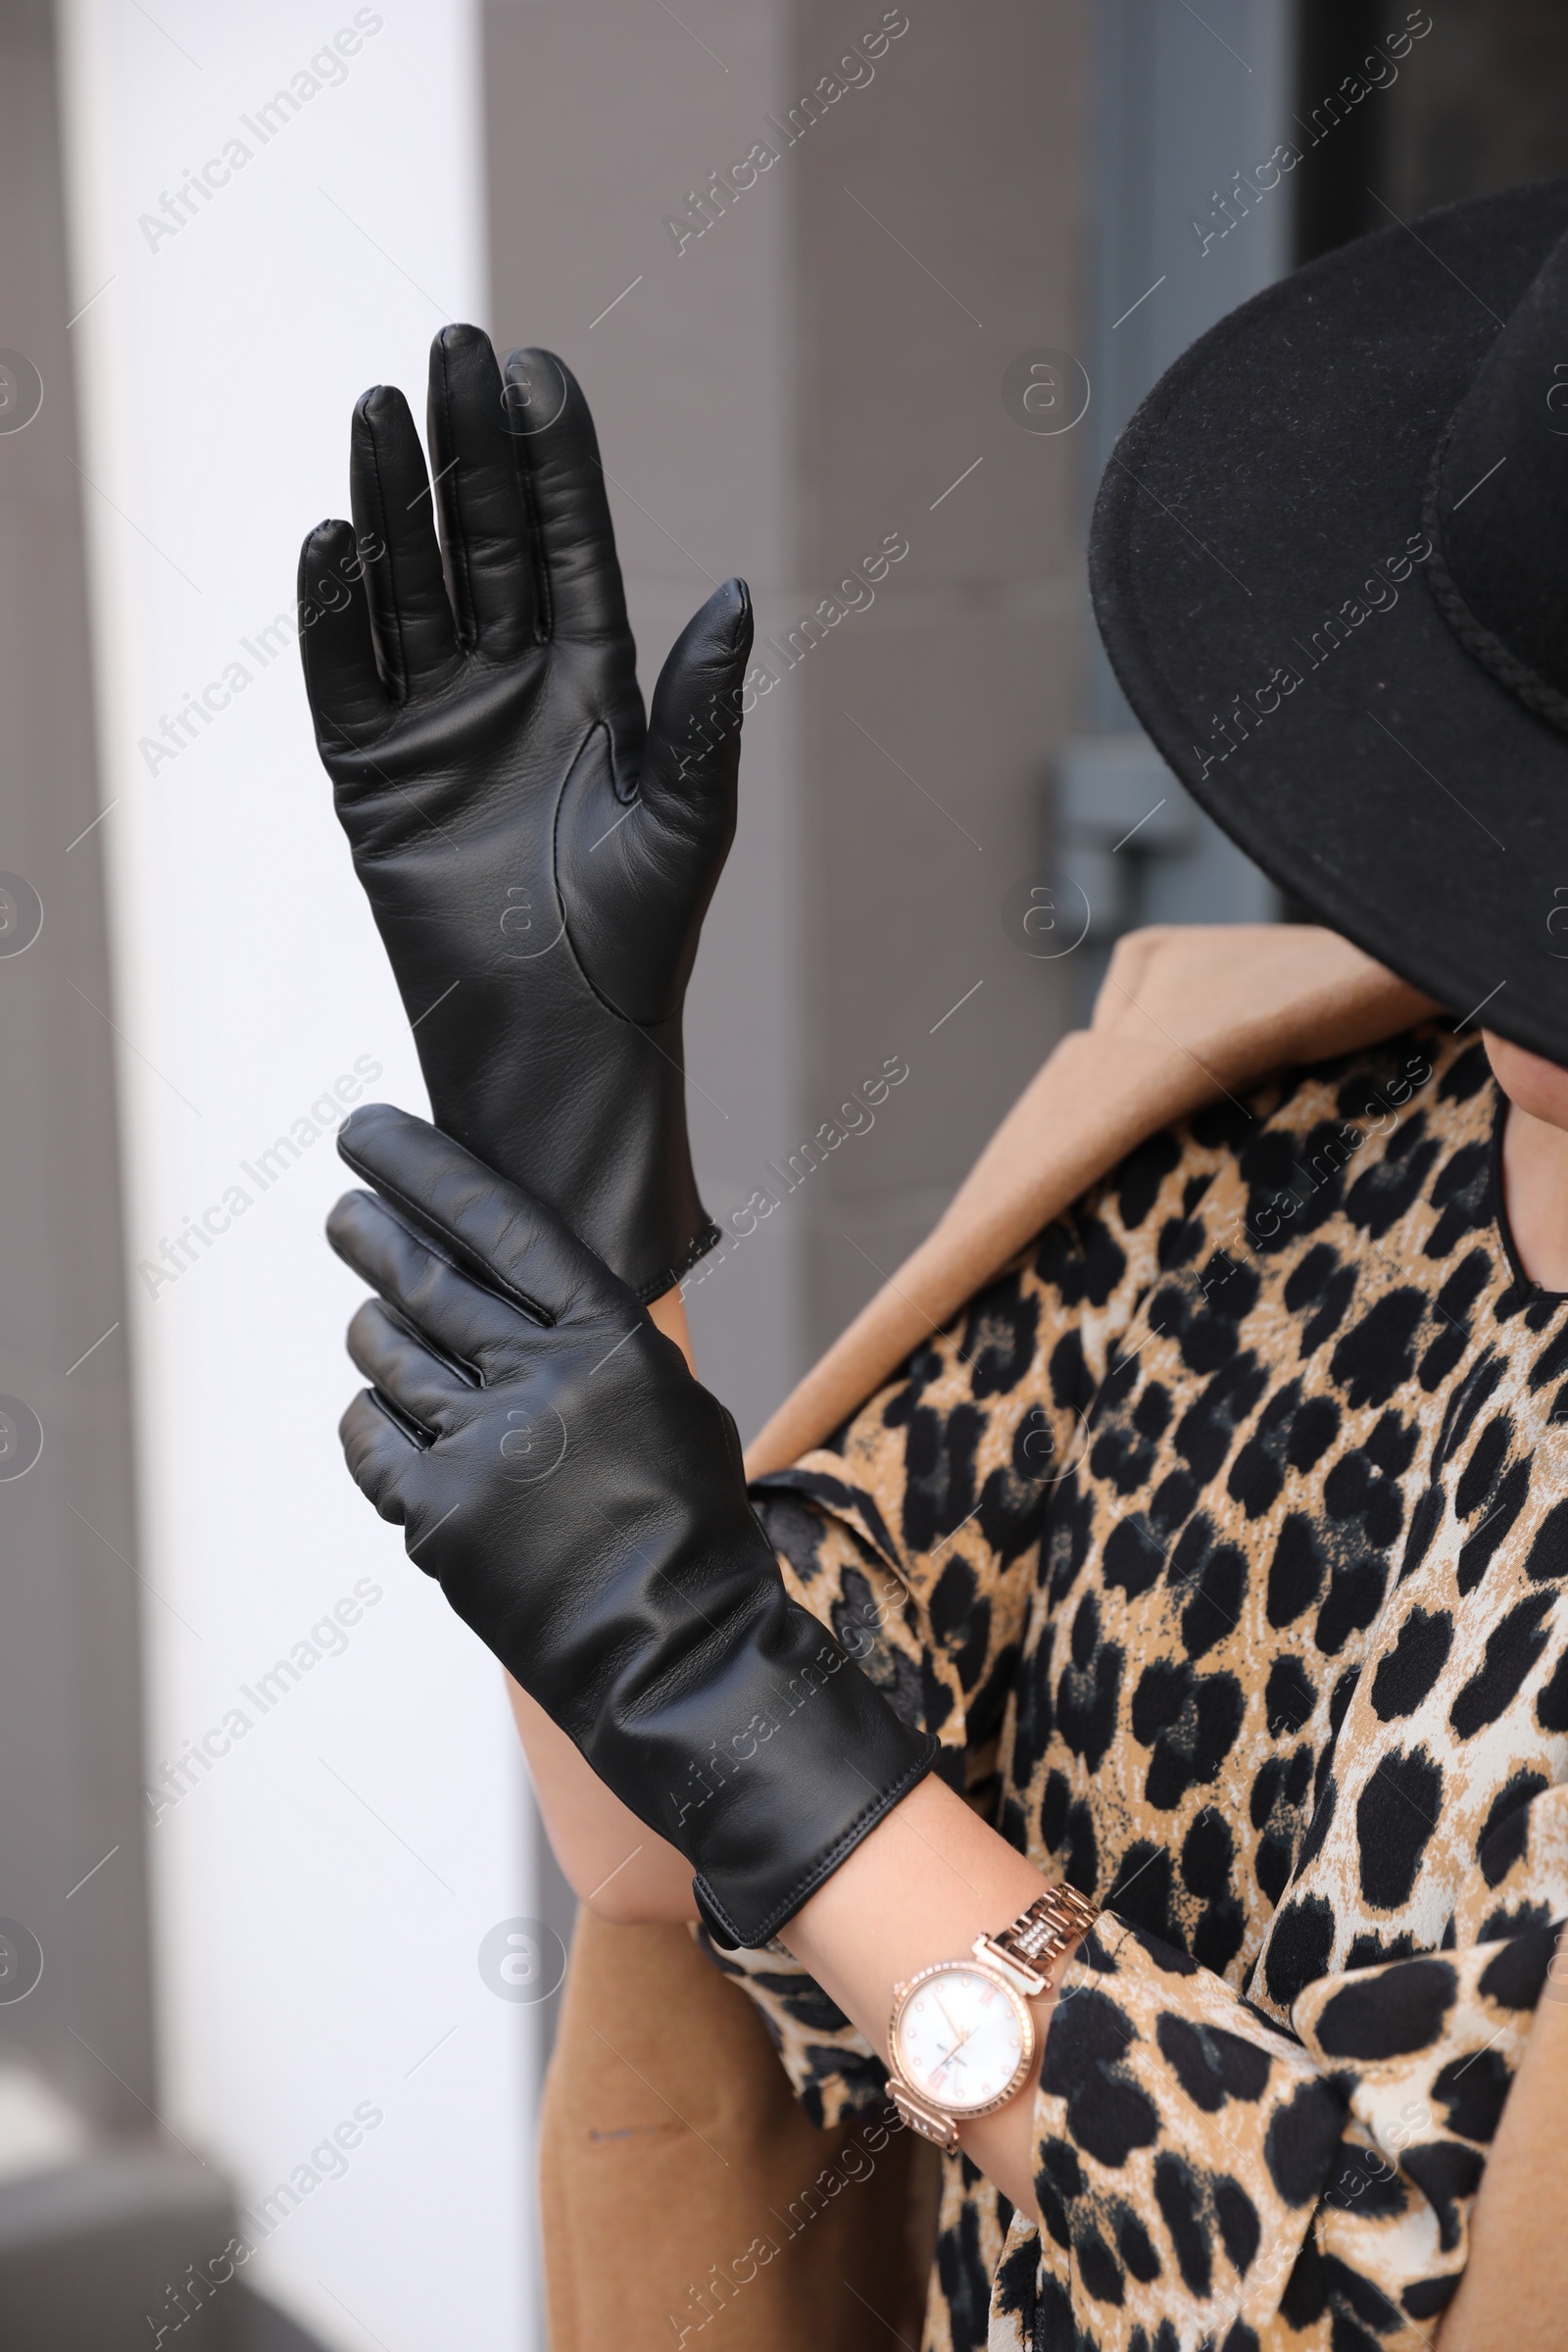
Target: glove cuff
x,y
655,1287
748,1908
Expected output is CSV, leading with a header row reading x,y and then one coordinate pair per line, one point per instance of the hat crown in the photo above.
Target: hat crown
x,y
1497,503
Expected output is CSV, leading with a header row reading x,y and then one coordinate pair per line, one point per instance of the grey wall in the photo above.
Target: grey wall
x,y
1194,211
972,159
69,1722
803,380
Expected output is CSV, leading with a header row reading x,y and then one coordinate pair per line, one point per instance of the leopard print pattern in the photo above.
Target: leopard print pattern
x,y
1221,1541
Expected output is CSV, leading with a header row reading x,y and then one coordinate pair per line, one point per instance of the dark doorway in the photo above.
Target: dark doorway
x,y
1477,101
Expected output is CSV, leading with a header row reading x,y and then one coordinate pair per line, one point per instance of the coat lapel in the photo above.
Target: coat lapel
x,y
1186,1014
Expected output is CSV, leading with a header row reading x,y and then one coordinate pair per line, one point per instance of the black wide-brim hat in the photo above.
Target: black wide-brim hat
x,y
1330,564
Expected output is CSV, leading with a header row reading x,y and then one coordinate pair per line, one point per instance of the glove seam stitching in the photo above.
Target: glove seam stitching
x,y
394,609
538,557
497,1285
707,1237
466,624
626,1019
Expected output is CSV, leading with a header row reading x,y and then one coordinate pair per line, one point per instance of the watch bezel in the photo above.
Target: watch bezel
x,y
971,1965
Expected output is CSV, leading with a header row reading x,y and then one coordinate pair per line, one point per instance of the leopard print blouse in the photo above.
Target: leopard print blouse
x,y
1222,1541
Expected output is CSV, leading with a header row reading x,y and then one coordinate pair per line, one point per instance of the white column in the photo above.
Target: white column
x,y
275,207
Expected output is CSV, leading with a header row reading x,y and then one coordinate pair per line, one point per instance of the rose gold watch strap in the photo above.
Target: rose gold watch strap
x,y
923,2115
1055,1920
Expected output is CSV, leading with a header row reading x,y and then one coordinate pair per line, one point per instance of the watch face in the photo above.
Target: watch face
x,y
962,2037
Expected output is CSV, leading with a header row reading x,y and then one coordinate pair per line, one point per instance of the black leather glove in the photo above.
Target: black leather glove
x,y
539,861
580,1498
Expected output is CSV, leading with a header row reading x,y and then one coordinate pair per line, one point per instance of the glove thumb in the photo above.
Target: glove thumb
x,y
636,882
694,727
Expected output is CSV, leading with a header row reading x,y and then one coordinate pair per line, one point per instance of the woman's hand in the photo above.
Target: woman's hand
x,y
539,860
930,1878
615,1864
612,1861
581,1501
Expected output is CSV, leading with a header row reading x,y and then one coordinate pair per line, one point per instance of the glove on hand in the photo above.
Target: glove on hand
x,y
539,862
580,1498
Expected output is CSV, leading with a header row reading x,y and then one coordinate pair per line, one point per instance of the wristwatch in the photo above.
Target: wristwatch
x,y
961,2040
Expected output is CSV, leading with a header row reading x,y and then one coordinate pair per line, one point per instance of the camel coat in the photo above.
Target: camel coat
x,y
670,2143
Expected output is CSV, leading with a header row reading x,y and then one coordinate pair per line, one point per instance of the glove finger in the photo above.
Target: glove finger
x,y
557,451
336,646
378,1456
445,1307
511,1241
694,729
414,637
490,576
424,1389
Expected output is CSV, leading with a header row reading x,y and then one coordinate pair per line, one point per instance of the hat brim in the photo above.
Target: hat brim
x,y
1274,479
